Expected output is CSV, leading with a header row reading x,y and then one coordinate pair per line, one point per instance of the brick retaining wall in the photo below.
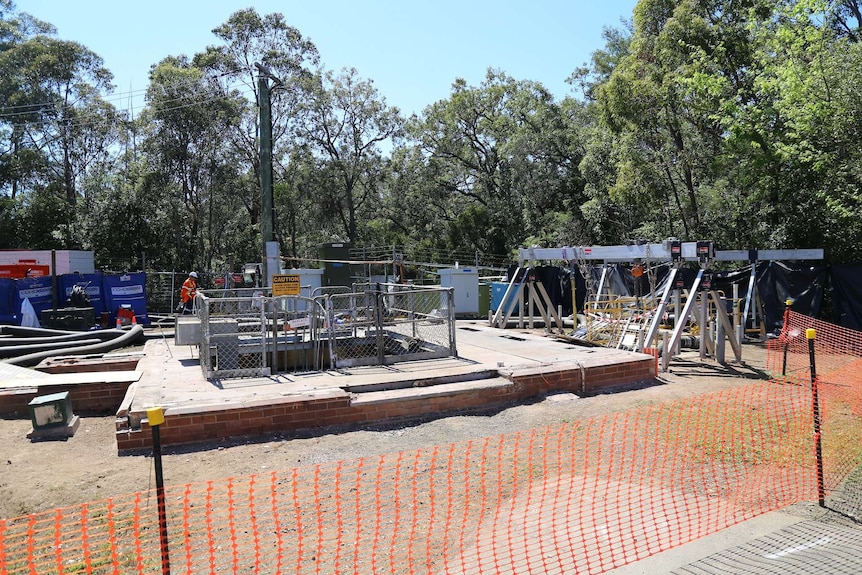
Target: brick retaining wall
x,y
90,398
183,426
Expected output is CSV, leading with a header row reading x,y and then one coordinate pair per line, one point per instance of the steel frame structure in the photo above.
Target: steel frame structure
x,y
676,252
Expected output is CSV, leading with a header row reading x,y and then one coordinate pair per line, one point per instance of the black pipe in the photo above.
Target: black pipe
x,y
127,338
24,349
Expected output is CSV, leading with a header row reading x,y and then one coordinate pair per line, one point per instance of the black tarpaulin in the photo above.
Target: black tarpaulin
x,y
777,282
846,282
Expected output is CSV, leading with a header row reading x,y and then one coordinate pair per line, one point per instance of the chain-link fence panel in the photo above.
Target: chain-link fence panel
x,y
298,338
329,290
379,324
233,336
352,329
163,291
245,333
256,335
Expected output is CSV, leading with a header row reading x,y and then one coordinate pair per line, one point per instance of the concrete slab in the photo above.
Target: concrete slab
x,y
493,367
779,543
171,374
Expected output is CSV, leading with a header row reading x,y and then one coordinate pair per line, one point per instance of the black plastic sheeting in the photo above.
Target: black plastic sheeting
x,y
846,284
803,284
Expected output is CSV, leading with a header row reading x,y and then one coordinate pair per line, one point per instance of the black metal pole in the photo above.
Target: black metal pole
x,y
156,418
811,334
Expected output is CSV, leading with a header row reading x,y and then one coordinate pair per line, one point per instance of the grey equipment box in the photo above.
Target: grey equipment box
x,y
187,330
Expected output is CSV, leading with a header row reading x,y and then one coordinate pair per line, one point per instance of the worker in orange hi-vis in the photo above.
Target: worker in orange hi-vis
x,y
187,293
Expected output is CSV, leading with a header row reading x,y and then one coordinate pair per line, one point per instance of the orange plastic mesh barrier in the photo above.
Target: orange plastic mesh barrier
x,y
581,497
838,368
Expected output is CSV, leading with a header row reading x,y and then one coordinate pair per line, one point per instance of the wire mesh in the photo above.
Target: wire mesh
x,y
383,323
233,336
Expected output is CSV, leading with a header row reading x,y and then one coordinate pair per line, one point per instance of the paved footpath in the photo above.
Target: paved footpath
x,y
797,541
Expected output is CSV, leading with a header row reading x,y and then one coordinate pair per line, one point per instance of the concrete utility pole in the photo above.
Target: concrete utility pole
x,y
266,195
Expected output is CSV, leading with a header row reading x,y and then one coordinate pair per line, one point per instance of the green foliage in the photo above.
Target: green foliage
x,y
702,119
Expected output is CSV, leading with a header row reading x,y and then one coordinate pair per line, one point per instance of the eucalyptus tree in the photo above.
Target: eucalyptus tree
x,y
810,73
674,104
20,162
55,121
300,224
503,159
191,168
287,59
347,123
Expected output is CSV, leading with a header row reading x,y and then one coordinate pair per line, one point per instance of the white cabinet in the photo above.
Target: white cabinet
x,y
465,284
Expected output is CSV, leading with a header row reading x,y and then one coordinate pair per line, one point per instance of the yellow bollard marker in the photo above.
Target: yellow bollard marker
x,y
155,416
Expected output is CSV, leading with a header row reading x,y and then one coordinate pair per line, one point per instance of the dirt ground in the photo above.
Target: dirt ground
x,y
38,476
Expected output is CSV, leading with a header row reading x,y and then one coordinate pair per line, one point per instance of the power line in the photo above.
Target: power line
x,y
44,107
84,120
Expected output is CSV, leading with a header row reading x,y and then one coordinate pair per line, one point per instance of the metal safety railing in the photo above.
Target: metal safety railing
x,y
378,324
258,336
375,324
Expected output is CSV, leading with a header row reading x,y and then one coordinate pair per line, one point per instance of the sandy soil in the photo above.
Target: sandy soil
x,y
37,476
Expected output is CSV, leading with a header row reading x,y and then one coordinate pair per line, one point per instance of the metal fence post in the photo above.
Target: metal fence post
x,y
811,334
378,325
450,307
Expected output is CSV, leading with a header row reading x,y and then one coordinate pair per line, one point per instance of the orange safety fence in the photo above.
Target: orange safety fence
x,y
581,497
838,368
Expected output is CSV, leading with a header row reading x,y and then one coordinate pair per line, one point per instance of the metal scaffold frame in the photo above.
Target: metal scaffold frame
x,y
674,253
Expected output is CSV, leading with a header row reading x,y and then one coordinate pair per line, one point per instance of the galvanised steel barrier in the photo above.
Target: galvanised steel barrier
x,y
248,333
381,323
259,336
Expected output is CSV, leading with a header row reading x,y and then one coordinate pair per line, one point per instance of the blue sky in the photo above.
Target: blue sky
x,y
413,51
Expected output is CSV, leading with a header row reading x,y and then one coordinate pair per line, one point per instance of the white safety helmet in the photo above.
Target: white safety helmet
x,y
193,275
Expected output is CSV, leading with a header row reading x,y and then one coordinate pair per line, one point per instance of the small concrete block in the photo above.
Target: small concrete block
x,y
560,397
56,432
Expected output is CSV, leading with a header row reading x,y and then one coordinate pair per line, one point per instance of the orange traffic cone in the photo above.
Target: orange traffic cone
x,y
119,322
134,320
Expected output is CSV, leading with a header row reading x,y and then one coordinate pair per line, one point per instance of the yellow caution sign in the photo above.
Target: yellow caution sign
x,y
285,284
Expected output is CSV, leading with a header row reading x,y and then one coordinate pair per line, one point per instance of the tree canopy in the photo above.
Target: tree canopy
x,y
733,121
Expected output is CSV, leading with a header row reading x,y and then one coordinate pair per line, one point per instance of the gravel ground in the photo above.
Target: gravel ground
x,y
37,476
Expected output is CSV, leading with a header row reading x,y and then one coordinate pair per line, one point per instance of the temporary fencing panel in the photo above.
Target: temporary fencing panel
x,y
38,290
92,284
379,324
126,289
10,313
233,336
585,496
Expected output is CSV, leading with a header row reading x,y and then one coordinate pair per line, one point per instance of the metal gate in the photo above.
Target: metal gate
x,y
381,324
259,336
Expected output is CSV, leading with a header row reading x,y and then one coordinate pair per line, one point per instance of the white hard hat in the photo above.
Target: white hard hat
x,y
193,275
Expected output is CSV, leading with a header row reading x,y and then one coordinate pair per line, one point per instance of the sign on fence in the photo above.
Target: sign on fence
x,y
285,284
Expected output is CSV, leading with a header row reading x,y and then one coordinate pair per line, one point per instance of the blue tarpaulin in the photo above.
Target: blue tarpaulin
x,y
127,289
92,284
